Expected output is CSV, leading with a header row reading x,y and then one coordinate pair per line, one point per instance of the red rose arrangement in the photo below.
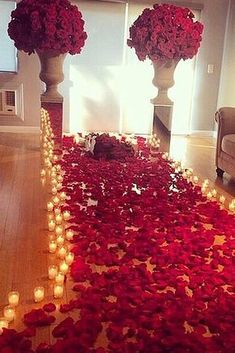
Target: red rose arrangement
x,y
47,24
109,147
165,32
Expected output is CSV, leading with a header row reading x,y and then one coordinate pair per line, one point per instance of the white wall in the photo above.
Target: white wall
x,y
227,83
206,93
27,76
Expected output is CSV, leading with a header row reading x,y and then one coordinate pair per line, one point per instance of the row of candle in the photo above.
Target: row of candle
x,y
188,174
56,219
154,142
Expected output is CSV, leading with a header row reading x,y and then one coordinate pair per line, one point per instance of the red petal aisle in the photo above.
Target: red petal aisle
x,y
154,262
152,271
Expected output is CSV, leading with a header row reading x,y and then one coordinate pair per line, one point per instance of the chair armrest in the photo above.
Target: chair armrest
x,y
225,117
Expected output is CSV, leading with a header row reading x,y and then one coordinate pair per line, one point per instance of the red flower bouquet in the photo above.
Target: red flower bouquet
x,y
165,32
108,147
47,24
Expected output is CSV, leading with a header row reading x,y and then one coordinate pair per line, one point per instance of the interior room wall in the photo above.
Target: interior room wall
x,y
214,16
227,82
27,75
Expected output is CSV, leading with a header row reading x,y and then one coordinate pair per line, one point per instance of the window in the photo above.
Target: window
x,y
8,60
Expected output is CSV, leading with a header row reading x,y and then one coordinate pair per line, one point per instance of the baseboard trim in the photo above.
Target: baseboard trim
x,y
203,133
20,129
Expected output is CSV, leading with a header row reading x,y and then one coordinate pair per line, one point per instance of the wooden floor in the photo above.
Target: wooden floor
x,y
23,236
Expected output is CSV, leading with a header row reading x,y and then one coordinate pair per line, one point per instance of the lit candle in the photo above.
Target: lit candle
x,y
58,230
66,215
69,234
51,225
58,291
52,246
63,196
3,324
214,193
69,258
58,167
203,189
64,267
52,271
9,313
57,211
56,200
59,278
50,206
54,190
206,183
13,298
62,252
38,294
53,181
60,240
195,179
43,173
59,186
222,199
209,195
232,206
58,219
59,178
53,173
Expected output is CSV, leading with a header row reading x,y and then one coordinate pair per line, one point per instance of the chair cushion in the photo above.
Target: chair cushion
x,y
228,144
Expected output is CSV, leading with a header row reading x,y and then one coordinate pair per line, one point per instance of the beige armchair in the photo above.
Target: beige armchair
x,y
225,149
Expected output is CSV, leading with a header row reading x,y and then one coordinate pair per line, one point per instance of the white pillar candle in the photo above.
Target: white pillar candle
x,y
54,190
53,181
69,258
3,324
69,234
13,298
52,271
53,173
51,225
57,211
63,196
59,186
43,173
58,291
58,219
58,230
38,294
59,278
59,178
60,240
56,200
232,206
50,206
9,313
64,267
58,167
222,199
214,193
62,252
66,215
52,246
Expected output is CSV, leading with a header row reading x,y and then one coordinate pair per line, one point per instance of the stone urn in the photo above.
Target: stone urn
x,y
163,80
51,73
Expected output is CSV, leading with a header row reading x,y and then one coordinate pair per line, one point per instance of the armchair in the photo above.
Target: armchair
x,y
225,148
